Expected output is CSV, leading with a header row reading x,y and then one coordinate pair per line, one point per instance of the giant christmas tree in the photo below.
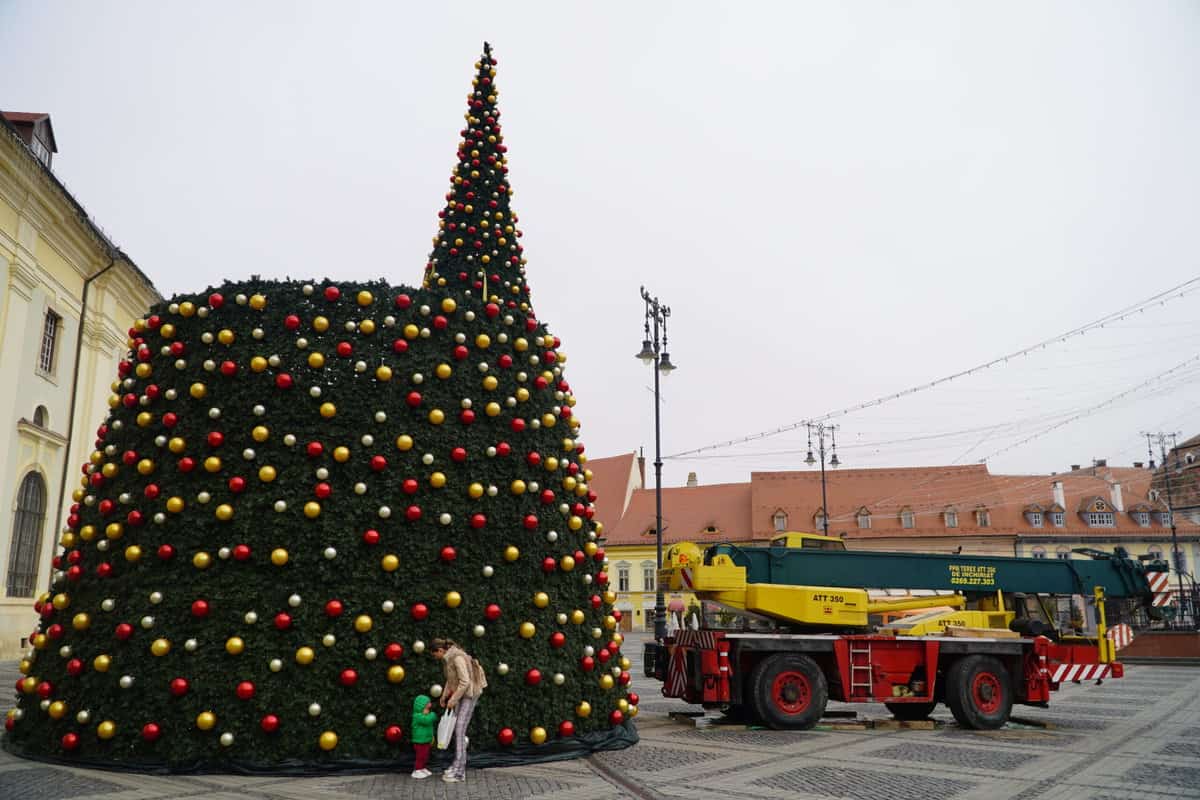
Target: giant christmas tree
x,y
298,486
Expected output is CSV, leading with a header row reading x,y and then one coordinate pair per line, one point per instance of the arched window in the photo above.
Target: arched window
x,y
1063,553
863,517
41,417
27,536
1039,552
779,520
819,520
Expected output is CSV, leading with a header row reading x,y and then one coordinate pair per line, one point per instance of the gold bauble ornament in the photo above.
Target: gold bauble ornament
x,y
625,662
279,556
260,433
522,394
235,646
316,360
133,553
449,305
538,735
201,560
490,383
367,327
109,470
453,599
61,601
29,685
443,371
404,442
187,308
320,324
606,681
81,622
224,512
197,390
541,599
176,445
258,302
475,491
633,711
101,663
114,530
411,331
437,480
304,656
258,364
395,673
527,630
511,553
341,454
390,562
160,647
106,729
144,419
363,623
483,341
328,740
437,416
87,533
175,505
312,509
225,337
517,487
492,409
610,597
577,617
584,709
567,563
57,709
365,298
206,720
328,410
383,373
145,466
623,705
267,473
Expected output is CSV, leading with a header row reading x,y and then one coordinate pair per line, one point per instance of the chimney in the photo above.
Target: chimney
x,y
691,481
1137,465
642,468
1100,462
1059,497
1074,468
1117,502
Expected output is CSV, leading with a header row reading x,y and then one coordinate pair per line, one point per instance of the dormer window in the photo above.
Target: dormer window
x,y
908,519
1164,518
1034,518
864,518
1142,518
1101,519
779,520
1058,519
982,518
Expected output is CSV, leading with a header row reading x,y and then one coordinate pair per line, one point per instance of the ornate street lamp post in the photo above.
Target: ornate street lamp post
x,y
654,354
822,429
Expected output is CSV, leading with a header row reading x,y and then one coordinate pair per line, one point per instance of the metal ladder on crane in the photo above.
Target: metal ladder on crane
x,y
860,665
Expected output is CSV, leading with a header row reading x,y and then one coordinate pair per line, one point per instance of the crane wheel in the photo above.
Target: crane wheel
x,y
910,711
979,692
788,691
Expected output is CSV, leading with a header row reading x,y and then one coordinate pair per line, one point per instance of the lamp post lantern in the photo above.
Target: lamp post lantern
x,y
654,354
822,429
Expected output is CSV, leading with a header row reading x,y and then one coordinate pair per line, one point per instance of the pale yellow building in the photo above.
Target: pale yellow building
x,y
59,268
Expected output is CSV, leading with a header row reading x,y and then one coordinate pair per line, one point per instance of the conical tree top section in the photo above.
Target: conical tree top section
x,y
477,247
298,487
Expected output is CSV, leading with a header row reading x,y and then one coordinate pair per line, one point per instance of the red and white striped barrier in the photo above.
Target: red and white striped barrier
x,y
1080,672
676,683
1120,635
1160,585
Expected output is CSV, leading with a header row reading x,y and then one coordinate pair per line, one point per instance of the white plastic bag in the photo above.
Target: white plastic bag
x,y
445,730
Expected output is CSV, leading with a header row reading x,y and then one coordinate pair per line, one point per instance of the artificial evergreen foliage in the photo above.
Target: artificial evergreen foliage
x,y
299,486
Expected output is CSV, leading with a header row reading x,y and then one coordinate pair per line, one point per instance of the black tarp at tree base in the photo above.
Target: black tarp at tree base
x,y
615,738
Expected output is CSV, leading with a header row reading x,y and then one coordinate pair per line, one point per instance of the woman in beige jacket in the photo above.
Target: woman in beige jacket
x,y
465,683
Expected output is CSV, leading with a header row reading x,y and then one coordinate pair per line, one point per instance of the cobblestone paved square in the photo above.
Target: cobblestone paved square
x,y
1136,738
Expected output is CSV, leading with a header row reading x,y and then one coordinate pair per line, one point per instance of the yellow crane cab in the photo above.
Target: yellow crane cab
x,y
807,541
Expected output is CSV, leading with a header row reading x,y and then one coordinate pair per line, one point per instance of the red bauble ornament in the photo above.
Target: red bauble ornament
x,y
503,449
177,349
216,439
460,352
478,520
613,647
413,399
241,552
216,300
596,601
448,554
505,361
283,381
74,667
283,621
322,491
633,698
371,536
313,449
165,552
413,513
601,578
291,322
200,609
467,416
170,419
458,454
492,612
187,464
624,678
603,655
245,690
530,522
151,732
332,293
557,639
420,611
393,734
534,458
410,486
533,677
599,555
587,663
269,723
403,301
334,608
399,346
129,457
492,310
70,741
345,349
616,614
55,631
505,736
348,677
151,491
566,728
123,631
106,507
518,425
103,569
378,463
393,651
440,322
228,369
237,484
74,573
549,564
45,689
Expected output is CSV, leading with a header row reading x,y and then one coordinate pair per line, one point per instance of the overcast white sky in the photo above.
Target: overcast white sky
x,y
837,200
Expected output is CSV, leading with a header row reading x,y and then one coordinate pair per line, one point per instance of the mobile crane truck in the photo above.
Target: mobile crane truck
x,y
822,644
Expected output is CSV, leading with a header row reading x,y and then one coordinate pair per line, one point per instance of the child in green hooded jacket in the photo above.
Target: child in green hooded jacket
x,y
424,719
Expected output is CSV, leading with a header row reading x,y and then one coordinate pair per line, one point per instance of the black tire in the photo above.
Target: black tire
x,y
979,692
788,691
910,711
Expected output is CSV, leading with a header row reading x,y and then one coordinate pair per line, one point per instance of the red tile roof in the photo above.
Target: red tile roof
x,y
688,512
613,480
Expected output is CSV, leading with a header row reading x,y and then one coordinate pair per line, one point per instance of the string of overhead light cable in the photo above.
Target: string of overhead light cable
x,y
1161,298
1092,409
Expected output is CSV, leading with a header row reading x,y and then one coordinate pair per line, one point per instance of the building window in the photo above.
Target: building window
x,y
1038,552
1180,559
623,578
1142,518
1058,518
982,518
46,355
779,520
1164,518
1062,554
864,518
40,417
648,580
1190,458
908,519
819,521
951,519
1035,519
1101,519
27,536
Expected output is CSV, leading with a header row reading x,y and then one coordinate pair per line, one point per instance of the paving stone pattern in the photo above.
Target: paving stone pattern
x,y
1150,751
